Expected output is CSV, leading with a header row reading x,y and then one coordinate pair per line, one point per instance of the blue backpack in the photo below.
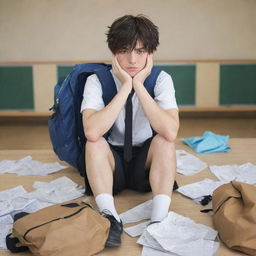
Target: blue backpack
x,y
65,124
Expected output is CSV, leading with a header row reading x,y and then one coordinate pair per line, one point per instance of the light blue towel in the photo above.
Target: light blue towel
x,y
209,143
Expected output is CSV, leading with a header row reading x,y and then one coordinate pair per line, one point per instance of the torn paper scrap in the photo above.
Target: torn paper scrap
x,y
27,166
6,223
57,191
188,164
136,230
243,173
138,213
198,190
181,235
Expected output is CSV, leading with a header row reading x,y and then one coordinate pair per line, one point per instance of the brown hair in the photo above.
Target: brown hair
x,y
127,30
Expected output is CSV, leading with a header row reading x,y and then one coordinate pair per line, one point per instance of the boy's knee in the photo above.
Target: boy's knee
x,y
96,146
159,143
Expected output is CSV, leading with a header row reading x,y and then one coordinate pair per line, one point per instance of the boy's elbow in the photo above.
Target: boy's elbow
x,y
171,137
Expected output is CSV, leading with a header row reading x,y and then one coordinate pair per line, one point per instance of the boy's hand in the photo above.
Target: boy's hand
x,y
122,76
140,77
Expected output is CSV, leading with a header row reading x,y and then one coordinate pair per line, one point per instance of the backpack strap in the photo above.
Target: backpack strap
x,y
151,80
107,80
107,83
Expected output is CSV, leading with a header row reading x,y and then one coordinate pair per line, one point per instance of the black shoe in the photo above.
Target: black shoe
x,y
115,231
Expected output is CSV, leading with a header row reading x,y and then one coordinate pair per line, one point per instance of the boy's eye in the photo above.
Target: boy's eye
x,y
123,51
140,51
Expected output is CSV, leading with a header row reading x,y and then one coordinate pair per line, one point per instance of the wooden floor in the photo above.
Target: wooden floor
x,y
24,134
19,140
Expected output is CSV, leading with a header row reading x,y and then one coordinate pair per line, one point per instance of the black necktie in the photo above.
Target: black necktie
x,y
128,129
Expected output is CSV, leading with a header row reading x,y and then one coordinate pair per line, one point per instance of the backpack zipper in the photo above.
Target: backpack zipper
x,y
60,218
56,103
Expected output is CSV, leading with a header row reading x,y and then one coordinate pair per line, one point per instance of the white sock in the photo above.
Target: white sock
x,y
106,202
160,207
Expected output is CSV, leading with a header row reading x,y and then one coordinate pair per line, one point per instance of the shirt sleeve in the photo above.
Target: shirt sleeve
x,y
92,96
165,92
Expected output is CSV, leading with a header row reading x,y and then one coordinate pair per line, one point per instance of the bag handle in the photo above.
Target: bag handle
x,y
11,243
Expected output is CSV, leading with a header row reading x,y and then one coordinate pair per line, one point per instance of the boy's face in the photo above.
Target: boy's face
x,y
132,61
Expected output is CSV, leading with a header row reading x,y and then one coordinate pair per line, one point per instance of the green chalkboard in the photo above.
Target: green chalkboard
x,y
238,84
16,88
184,82
62,70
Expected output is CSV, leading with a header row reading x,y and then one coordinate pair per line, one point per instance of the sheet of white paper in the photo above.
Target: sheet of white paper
x,y
188,164
181,235
15,205
138,213
244,173
199,189
33,206
147,251
147,240
12,193
27,166
12,199
136,230
6,223
57,191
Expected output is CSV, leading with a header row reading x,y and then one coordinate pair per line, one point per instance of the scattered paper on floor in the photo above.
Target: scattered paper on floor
x,y
188,164
57,191
243,173
198,190
138,213
147,251
6,223
136,230
182,236
27,166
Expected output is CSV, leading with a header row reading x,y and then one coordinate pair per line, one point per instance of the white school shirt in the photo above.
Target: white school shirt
x,y
164,95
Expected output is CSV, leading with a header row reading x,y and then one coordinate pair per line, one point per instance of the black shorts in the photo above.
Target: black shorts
x,y
133,175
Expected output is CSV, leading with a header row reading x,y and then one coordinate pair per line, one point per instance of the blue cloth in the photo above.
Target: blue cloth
x,y
209,143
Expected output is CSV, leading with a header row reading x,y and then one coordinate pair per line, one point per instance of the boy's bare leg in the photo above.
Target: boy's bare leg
x,y
100,165
162,162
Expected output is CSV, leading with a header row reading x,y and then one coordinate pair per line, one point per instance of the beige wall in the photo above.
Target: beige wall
x,y
59,30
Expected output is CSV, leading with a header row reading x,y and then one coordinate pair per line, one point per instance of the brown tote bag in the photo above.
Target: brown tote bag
x,y
234,206
70,228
